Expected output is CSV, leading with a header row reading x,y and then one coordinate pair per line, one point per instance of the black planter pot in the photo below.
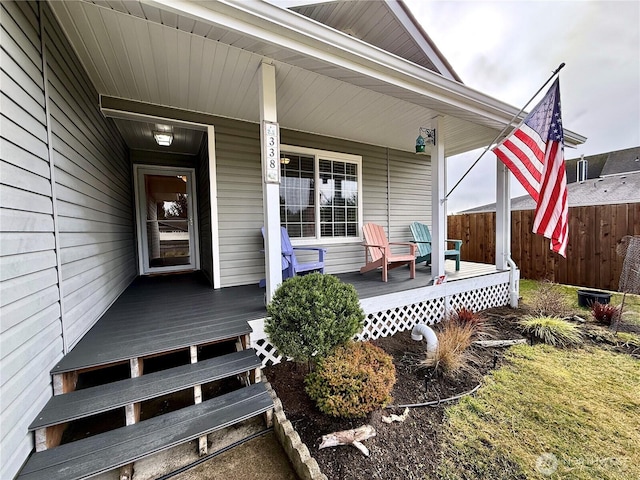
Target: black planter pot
x,y
587,297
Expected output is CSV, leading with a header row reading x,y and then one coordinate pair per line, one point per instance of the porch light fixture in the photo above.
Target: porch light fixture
x,y
163,139
284,160
425,136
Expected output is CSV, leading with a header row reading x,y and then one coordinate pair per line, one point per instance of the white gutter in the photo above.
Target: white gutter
x,y
312,40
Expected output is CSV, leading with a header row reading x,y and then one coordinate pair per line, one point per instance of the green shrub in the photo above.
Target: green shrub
x,y
310,315
552,330
604,313
352,382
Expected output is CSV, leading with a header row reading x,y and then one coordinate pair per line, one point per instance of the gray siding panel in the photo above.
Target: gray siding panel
x,y
25,180
30,339
410,195
22,200
93,189
17,265
15,434
240,214
14,155
93,193
396,192
27,285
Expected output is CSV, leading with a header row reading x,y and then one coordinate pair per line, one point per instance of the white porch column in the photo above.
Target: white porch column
x,y
438,207
270,191
503,216
503,231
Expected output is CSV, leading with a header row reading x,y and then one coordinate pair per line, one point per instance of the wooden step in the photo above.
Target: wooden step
x,y
113,449
91,401
98,348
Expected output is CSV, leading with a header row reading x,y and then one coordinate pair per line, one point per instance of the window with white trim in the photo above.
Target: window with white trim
x,y
320,194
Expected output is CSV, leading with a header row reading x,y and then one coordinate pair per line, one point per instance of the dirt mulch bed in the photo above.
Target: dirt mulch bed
x,y
403,451
408,450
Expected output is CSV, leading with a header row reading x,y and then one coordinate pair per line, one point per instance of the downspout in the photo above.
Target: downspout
x,y
503,230
513,291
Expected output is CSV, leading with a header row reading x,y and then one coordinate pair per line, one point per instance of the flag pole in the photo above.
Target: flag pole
x,y
506,127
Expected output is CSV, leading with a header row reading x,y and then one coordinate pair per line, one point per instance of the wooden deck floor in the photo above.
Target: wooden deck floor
x,y
164,313
370,285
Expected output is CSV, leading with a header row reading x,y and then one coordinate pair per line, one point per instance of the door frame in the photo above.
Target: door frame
x,y
148,112
141,218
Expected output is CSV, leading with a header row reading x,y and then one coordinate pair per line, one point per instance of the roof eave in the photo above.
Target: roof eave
x,y
288,29
413,22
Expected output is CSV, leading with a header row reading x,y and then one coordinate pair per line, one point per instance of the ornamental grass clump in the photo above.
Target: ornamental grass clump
x,y
353,381
310,315
552,331
604,313
454,340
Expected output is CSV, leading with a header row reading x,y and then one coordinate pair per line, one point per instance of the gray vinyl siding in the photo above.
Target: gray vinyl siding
x,y
204,210
396,191
30,340
93,188
410,193
240,214
92,217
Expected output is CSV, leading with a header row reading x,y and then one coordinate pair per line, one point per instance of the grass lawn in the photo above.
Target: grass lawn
x,y
631,311
549,413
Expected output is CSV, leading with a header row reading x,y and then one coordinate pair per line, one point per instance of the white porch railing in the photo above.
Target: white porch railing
x,y
388,314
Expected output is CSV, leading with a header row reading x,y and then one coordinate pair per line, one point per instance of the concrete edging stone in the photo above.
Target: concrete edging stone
x,y
305,466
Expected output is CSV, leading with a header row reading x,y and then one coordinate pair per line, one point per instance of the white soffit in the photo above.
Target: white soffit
x,y
204,56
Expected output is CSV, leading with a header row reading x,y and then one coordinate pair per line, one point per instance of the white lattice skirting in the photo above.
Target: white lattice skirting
x,y
397,312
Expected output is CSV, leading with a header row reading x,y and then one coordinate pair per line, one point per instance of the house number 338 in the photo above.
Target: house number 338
x,y
271,152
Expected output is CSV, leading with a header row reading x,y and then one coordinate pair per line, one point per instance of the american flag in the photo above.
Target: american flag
x,y
534,153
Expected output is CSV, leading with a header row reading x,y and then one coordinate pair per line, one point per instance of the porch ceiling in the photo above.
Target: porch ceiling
x,y
204,56
139,136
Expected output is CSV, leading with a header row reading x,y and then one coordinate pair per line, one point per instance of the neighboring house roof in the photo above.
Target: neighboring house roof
x,y
622,161
599,188
388,24
595,164
603,164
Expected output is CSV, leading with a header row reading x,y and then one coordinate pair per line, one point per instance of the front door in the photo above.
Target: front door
x,y
167,229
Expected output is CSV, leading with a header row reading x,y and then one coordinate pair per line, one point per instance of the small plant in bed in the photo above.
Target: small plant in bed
x,y
548,300
479,324
452,355
604,313
551,330
310,315
353,381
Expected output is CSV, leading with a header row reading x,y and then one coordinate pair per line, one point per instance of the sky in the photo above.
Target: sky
x,y
508,49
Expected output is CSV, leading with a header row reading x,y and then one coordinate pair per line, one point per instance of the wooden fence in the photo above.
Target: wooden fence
x,y
594,232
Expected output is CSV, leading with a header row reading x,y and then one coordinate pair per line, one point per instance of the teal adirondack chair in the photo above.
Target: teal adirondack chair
x,y
422,236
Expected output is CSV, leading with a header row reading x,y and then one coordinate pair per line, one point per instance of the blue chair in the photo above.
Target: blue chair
x,y
422,236
290,264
